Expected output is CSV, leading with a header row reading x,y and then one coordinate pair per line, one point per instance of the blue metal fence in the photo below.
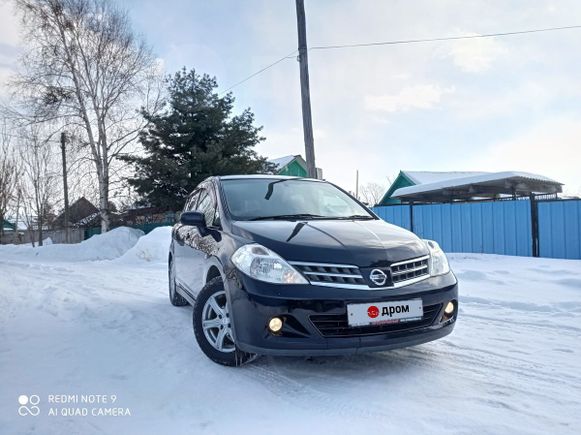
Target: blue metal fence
x,y
495,227
560,229
502,227
395,214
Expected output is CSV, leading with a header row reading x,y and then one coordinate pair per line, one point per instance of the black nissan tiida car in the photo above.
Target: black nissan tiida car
x,y
293,266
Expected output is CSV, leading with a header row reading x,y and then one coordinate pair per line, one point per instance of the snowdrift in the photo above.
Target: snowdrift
x,y
108,246
152,248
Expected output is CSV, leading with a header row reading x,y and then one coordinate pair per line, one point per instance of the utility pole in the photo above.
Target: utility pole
x,y
65,185
357,183
305,90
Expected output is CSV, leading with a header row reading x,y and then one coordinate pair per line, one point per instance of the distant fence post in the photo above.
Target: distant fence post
x,y
411,206
534,225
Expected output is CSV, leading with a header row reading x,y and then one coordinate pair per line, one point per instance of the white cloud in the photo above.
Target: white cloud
x,y
471,103
476,55
411,97
526,97
9,45
9,24
551,148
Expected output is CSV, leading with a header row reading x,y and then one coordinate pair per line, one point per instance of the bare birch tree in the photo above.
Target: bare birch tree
x,y
40,177
371,193
86,68
8,175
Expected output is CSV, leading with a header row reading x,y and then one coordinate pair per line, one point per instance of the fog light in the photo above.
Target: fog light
x,y
275,324
449,310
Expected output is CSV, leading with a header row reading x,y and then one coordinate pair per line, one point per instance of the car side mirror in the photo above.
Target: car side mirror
x,y
194,219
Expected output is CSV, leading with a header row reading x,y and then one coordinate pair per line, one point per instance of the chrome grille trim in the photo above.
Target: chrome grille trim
x,y
341,275
411,260
306,263
410,271
348,286
349,276
331,275
414,269
409,281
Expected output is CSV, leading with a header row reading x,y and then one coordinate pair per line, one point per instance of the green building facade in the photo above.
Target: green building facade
x,y
290,165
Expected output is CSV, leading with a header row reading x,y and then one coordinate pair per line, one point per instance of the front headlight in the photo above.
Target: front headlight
x,y
438,262
262,264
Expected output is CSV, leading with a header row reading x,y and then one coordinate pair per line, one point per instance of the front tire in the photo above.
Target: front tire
x,y
175,298
212,326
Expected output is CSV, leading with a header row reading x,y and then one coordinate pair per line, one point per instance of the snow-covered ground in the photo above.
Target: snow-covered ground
x,y
95,319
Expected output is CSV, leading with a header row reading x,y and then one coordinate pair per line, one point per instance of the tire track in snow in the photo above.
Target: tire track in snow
x,y
294,391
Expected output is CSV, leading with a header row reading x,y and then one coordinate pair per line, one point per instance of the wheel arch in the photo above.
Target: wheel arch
x,y
213,269
213,272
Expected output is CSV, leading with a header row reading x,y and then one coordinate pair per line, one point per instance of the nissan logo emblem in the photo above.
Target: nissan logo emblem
x,y
378,277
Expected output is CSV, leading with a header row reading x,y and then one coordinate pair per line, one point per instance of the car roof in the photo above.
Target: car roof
x,y
264,176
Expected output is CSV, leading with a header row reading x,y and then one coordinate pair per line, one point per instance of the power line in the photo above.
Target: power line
x,y
288,56
400,42
445,38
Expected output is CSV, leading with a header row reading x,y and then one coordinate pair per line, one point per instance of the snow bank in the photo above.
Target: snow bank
x,y
106,246
153,247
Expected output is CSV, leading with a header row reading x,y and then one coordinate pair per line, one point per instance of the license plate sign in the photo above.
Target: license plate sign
x,y
384,312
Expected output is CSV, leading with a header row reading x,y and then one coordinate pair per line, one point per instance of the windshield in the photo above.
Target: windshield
x,y
256,199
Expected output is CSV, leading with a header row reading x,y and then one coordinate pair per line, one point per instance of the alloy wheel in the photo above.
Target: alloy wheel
x,y
216,323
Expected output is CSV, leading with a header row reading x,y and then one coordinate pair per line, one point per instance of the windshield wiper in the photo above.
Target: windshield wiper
x,y
355,217
270,189
283,217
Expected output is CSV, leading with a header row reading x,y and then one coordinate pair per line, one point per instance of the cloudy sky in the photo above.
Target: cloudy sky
x,y
511,103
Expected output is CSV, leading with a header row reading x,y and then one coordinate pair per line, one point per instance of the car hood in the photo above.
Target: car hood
x,y
364,243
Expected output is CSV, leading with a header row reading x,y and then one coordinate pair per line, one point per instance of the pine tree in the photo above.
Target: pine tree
x,y
195,137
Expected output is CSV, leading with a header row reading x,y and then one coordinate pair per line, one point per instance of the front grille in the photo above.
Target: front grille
x,y
347,276
336,325
410,269
330,274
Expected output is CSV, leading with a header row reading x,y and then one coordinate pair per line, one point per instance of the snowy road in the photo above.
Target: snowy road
x,y
512,366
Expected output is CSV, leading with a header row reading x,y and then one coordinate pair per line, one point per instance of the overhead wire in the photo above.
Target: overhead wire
x,y
400,42
440,39
276,62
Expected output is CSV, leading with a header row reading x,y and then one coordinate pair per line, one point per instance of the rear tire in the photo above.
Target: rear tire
x,y
175,298
212,326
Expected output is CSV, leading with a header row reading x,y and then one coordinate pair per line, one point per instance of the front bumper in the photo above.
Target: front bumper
x,y
315,317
